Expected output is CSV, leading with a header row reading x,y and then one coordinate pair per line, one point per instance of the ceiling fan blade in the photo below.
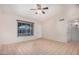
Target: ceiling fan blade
x,y
32,9
38,6
45,8
43,12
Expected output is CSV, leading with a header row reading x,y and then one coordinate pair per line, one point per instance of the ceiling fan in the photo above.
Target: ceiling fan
x,y
39,7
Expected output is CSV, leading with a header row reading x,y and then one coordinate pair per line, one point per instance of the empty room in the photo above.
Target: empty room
x,y
39,29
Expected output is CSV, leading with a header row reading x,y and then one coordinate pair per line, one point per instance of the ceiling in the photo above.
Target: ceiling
x,y
24,10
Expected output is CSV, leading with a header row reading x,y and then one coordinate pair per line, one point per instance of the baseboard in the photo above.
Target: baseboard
x,y
65,41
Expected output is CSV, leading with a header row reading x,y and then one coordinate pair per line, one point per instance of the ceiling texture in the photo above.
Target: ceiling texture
x,y
24,10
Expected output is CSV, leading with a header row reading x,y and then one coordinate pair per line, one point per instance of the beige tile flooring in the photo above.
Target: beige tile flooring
x,y
39,47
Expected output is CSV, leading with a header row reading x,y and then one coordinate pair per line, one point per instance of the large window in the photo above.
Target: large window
x,y
25,28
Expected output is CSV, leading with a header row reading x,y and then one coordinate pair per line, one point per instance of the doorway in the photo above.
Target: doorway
x,y
73,31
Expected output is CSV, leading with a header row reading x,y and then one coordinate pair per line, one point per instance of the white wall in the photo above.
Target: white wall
x,y
55,30
8,28
58,30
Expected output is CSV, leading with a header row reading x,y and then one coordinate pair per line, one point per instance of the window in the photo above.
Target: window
x,y
25,28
